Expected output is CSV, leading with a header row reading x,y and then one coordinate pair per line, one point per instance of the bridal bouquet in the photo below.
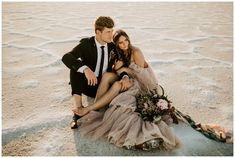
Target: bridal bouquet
x,y
153,106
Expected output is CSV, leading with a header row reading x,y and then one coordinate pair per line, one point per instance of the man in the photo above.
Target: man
x,y
89,60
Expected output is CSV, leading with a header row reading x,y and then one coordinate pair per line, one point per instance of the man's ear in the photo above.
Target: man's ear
x,y
98,32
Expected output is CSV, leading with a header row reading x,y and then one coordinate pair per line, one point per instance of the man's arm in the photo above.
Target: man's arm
x,y
73,59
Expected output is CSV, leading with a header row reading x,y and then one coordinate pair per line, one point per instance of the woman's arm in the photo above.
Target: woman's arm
x,y
124,69
117,65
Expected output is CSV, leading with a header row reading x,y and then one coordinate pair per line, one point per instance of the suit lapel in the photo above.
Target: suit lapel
x,y
94,53
110,49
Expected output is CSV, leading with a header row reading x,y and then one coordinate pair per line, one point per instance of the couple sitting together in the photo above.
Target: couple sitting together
x,y
110,69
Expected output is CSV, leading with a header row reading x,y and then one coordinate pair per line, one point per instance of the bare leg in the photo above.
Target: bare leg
x,y
76,106
77,101
107,79
103,101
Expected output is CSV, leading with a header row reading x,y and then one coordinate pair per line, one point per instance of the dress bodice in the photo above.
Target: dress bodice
x,y
145,76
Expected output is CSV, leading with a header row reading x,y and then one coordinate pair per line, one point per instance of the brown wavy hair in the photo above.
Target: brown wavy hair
x,y
125,57
102,22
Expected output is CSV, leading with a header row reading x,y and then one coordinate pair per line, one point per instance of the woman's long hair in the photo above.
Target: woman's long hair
x,y
125,57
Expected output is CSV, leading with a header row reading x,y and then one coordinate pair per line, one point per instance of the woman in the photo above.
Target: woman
x,y
120,124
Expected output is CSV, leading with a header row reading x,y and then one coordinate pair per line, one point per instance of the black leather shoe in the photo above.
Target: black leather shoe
x,y
74,123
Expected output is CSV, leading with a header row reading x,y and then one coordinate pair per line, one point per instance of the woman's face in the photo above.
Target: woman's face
x,y
123,43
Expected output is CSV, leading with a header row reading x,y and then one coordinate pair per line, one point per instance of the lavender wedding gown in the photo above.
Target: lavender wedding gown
x,y
122,126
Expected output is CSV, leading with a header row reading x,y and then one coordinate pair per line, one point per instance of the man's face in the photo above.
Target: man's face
x,y
106,35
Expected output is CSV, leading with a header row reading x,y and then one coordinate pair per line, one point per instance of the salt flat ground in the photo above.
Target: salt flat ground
x,y
189,46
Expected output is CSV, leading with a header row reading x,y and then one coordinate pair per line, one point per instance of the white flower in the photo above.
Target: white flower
x,y
162,104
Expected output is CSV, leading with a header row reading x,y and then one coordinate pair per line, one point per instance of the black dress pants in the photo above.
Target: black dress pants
x,y
79,85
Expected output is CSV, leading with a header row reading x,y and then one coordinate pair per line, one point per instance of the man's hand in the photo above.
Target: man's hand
x,y
126,83
91,78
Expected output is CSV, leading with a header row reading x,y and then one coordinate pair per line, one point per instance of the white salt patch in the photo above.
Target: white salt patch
x,y
168,45
61,47
196,102
203,97
28,40
53,71
209,95
47,146
190,89
160,73
28,84
18,70
60,96
13,60
58,83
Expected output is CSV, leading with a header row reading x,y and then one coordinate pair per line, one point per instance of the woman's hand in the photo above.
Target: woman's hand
x,y
118,64
126,83
81,111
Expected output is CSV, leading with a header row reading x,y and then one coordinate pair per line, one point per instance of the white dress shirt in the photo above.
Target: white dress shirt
x,y
99,51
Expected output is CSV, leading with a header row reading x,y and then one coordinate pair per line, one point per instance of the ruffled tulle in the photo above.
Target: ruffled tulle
x,y
145,77
125,128
122,126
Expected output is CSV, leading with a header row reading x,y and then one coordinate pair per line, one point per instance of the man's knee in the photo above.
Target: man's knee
x,y
77,81
80,86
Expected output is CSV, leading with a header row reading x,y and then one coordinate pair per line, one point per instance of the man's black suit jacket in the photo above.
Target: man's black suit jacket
x,y
85,53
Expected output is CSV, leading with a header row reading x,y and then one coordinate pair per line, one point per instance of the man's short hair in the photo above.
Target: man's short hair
x,y
102,22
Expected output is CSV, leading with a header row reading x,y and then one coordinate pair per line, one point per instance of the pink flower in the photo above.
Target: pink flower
x,y
146,106
162,104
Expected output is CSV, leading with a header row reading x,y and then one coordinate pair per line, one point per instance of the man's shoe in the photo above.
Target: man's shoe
x,y
74,124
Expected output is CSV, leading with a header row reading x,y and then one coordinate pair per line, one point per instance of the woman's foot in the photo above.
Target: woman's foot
x,y
80,111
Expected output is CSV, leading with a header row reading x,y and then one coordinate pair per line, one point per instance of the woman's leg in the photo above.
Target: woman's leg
x,y
107,80
103,101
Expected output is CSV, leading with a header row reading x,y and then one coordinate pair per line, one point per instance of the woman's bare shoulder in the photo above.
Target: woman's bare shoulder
x,y
138,57
137,51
